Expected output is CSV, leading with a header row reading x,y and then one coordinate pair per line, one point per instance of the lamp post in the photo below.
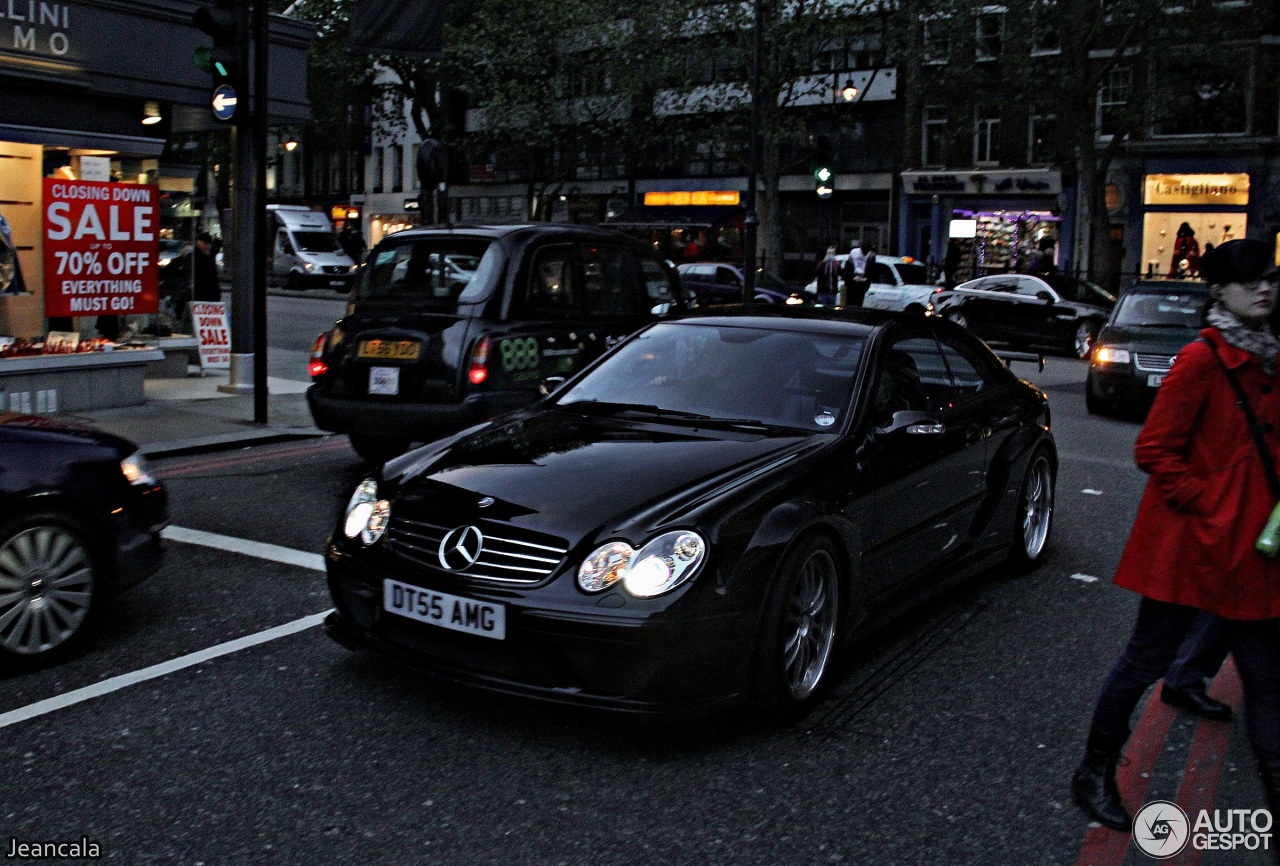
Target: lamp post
x,y
752,221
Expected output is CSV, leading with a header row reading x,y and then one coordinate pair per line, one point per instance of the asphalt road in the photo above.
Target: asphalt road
x,y
949,738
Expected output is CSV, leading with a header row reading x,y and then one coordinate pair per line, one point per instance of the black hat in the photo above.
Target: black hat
x,y
205,236
1240,261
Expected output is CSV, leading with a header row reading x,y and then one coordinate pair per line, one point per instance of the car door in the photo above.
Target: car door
x,y
728,285
615,300
925,460
883,291
989,306
1039,314
544,334
283,257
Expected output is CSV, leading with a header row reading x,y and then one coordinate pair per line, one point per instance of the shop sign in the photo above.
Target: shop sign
x,y
692,197
40,27
984,183
1201,189
210,321
101,248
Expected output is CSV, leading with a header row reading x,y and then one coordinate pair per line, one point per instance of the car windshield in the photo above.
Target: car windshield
x,y
914,274
698,371
1169,310
315,242
429,272
772,281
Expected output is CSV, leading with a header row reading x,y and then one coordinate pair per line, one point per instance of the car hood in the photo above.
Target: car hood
x,y
568,475
1161,341
16,427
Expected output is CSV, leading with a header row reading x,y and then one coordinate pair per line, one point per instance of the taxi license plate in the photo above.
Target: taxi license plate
x,y
454,612
384,380
399,350
1154,380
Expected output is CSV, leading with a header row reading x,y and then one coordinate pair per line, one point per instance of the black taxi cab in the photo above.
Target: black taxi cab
x,y
449,326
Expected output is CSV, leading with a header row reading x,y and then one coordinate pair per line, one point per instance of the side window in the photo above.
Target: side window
x,y
610,280
914,377
966,369
726,277
698,272
879,272
657,284
552,288
282,242
1030,287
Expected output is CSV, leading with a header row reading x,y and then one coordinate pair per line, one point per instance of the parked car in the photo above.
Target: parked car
x,y
720,283
447,327
1055,312
80,521
706,515
1151,323
898,284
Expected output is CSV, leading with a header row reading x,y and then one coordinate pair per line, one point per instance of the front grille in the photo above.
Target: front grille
x,y
1153,363
509,555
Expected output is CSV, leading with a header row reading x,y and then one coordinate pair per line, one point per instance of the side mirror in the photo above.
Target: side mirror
x,y
1044,296
661,309
549,384
912,422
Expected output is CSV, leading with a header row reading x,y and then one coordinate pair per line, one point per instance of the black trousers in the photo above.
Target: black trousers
x,y
1157,635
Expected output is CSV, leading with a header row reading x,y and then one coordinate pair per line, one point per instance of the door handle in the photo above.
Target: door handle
x,y
926,429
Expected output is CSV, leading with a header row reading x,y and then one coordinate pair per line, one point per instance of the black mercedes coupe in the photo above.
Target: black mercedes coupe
x,y
706,515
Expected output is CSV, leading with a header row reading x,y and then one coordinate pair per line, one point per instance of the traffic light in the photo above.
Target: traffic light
x,y
222,60
824,178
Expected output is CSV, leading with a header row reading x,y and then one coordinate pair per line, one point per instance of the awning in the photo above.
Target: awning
x,y
675,217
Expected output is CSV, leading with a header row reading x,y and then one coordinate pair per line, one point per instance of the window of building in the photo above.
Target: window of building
x,y
1045,38
1113,96
933,149
397,168
989,33
1215,102
937,39
1042,136
355,164
986,135
841,55
379,168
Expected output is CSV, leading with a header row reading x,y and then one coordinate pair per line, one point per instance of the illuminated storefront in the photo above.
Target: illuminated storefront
x,y
1186,215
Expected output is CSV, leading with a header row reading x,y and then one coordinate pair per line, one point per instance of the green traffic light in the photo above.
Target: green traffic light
x,y
204,59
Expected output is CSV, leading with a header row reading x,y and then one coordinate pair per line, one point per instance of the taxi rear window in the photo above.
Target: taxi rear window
x,y
430,272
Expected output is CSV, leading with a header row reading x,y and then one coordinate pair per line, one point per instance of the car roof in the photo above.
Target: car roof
x,y
857,320
516,231
1159,287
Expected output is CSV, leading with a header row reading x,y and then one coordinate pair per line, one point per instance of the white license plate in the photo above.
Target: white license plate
x,y
337,283
384,380
1154,380
482,618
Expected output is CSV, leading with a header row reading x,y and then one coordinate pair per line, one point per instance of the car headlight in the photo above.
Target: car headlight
x,y
136,470
366,514
660,566
1111,355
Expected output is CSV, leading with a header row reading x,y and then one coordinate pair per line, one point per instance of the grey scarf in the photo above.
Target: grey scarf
x,y
1259,342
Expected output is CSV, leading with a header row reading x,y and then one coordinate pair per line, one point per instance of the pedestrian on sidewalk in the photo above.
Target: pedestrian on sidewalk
x,y
828,274
1192,544
205,270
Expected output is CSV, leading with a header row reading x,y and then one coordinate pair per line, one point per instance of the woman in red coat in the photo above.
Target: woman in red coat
x,y
1192,544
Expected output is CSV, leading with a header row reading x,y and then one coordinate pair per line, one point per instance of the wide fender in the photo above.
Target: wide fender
x,y
1005,471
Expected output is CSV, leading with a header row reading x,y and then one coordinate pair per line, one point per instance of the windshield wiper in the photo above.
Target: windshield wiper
x,y
604,406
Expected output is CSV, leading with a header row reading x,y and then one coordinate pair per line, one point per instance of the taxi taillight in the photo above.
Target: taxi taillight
x,y
479,370
316,366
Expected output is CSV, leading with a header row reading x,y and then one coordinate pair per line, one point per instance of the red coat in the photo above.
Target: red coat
x,y
1208,496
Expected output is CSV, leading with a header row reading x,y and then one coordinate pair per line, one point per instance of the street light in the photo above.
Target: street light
x,y
849,93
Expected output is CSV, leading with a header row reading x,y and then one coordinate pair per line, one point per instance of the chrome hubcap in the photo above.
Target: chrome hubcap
x,y
46,588
1037,507
811,624
959,319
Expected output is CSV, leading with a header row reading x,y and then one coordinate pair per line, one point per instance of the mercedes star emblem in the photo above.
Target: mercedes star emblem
x,y
461,548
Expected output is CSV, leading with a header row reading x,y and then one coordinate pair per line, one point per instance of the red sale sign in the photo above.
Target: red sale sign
x,y
101,248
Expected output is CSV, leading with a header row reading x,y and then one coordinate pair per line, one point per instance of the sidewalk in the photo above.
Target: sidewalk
x,y
188,416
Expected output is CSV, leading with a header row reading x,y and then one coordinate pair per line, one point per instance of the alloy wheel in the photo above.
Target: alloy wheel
x,y
1037,507
1082,344
810,625
958,317
46,589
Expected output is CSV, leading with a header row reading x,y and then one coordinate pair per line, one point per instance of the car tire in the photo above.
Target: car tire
x,y
765,299
51,588
377,450
917,309
1033,519
957,317
294,282
1095,402
1083,337
796,651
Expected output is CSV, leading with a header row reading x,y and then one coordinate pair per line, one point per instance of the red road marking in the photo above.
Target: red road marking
x,y
197,465
1104,847
1199,786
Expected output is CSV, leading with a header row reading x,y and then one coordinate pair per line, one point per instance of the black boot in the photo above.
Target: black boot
x,y
1093,787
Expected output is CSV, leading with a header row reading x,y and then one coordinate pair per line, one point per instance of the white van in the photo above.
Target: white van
x,y
304,249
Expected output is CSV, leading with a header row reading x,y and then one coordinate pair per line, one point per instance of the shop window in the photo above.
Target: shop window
x,y
936,39
934,141
1113,98
986,135
989,33
1042,136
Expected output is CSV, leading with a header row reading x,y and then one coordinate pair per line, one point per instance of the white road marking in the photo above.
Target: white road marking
x,y
115,684
1090,491
272,552
1087,578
